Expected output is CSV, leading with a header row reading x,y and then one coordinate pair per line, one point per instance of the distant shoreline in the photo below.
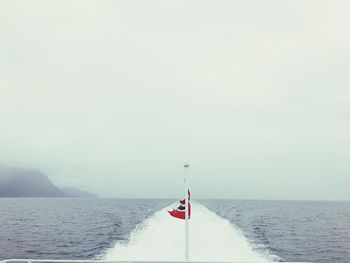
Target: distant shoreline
x,y
18,182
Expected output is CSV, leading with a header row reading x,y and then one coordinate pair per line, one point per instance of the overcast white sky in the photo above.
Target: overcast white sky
x,y
114,96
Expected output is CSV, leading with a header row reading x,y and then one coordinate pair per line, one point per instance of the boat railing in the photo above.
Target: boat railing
x,y
113,261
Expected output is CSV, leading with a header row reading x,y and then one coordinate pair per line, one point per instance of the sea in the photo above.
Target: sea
x,y
141,229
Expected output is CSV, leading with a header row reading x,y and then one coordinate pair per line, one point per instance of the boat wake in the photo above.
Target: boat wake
x,y
161,238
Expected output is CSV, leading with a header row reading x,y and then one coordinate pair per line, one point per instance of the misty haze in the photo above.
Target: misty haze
x,y
109,98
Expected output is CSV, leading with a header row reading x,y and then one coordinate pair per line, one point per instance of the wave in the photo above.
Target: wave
x,y
161,238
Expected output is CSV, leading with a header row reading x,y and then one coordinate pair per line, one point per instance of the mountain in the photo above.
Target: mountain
x,y
17,182
73,192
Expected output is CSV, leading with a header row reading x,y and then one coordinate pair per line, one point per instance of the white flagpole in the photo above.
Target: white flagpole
x,y
187,256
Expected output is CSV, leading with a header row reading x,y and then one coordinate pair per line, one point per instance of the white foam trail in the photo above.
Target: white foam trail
x,y
161,238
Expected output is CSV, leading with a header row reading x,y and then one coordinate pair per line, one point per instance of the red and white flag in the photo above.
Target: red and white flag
x,y
180,211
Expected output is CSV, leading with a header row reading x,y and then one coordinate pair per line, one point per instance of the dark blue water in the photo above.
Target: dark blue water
x,y
293,230
68,228
84,228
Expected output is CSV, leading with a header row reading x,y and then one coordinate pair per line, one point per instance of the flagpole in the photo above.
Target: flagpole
x,y
187,256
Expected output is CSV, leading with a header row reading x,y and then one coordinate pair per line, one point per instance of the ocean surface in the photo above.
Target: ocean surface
x,y
120,229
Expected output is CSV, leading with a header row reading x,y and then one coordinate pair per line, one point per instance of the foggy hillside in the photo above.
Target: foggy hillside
x,y
18,182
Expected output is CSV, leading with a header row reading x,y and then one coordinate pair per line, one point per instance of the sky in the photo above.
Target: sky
x,y
115,96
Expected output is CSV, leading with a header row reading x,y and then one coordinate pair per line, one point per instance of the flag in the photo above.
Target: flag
x,y
180,211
